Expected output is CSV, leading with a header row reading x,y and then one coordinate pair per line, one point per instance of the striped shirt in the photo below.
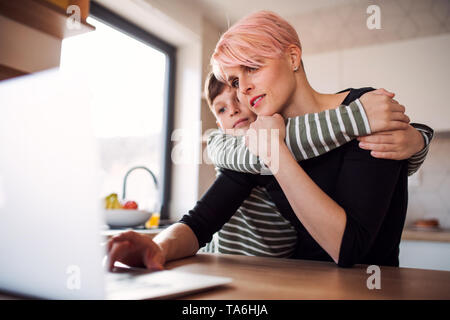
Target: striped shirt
x,y
257,228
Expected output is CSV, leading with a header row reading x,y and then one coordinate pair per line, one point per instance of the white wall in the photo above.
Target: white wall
x,y
207,174
417,70
187,118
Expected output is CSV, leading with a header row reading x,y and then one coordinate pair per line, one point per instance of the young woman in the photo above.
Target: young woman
x,y
346,206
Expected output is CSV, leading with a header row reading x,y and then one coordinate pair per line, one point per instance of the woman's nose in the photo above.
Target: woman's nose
x,y
245,86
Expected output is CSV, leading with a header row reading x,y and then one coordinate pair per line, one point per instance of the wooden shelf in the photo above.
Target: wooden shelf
x,y
43,16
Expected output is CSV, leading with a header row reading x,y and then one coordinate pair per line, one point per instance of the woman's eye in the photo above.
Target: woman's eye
x,y
222,110
250,69
235,83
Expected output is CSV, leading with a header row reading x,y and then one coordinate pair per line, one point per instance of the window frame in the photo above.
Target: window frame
x,y
119,23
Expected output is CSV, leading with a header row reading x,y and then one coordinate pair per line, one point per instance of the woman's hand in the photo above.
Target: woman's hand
x,y
265,135
395,145
135,250
384,113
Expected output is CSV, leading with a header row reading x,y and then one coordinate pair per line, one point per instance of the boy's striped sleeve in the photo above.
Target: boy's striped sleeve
x,y
307,136
416,160
314,134
230,152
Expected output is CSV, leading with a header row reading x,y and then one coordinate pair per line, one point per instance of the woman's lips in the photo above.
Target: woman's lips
x,y
257,100
240,123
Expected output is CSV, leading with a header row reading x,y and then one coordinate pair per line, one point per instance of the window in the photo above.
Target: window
x,y
130,74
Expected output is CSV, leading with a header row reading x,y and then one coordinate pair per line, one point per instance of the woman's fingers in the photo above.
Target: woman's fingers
x,y
394,106
129,235
123,246
399,116
134,250
118,251
151,261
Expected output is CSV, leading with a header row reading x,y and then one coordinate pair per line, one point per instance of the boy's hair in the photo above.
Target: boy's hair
x,y
263,34
213,88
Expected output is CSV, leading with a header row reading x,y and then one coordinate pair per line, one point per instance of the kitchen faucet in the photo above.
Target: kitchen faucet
x,y
131,170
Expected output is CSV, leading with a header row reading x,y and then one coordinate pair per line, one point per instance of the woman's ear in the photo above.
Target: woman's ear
x,y
295,56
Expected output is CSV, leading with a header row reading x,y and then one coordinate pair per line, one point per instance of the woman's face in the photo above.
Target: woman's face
x,y
265,90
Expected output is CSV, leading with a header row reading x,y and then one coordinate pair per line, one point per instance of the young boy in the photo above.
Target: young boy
x,y
257,227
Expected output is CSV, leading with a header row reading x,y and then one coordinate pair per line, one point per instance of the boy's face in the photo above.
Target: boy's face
x,y
230,113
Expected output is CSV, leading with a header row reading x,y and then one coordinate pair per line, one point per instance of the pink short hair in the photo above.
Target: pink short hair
x,y
262,34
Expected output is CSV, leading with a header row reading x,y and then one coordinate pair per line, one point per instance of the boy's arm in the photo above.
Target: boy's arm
x,y
415,162
314,134
307,137
230,152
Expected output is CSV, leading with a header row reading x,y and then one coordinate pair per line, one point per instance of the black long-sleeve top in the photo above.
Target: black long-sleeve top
x,y
373,193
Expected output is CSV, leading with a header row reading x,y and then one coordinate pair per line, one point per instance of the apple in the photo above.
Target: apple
x,y
130,205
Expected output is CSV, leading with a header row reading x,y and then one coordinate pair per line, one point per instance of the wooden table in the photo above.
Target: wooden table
x,y
257,278
288,279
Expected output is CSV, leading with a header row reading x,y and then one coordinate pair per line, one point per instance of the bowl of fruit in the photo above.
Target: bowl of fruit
x,y
124,214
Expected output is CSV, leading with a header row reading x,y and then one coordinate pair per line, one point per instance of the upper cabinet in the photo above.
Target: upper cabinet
x,y
54,17
31,33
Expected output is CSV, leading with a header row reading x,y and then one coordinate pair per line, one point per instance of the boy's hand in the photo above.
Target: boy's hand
x,y
395,145
135,250
384,113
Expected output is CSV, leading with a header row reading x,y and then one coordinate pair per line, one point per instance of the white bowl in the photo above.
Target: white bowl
x,y
118,218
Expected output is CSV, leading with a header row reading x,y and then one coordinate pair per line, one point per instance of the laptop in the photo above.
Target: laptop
x,y
50,209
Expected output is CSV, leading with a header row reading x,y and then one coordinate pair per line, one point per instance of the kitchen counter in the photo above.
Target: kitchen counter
x,y
113,232
435,235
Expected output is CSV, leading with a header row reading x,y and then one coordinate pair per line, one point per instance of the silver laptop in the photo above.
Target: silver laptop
x,y
50,215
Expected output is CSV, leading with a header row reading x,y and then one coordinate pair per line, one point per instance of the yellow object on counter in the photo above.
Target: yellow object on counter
x,y
153,222
112,202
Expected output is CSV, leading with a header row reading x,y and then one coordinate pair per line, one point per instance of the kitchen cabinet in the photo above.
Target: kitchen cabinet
x,y
432,255
45,16
31,34
8,72
384,66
